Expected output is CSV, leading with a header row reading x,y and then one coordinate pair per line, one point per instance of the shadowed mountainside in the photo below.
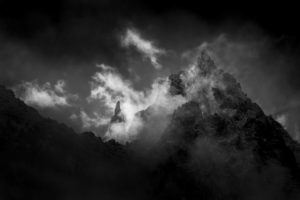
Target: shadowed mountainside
x,y
43,159
216,146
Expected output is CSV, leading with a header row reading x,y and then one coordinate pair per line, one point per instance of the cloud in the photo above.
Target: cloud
x,y
108,87
95,121
282,119
44,95
147,48
59,86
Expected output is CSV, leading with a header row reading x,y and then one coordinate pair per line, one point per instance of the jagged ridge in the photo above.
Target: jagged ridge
x,y
218,145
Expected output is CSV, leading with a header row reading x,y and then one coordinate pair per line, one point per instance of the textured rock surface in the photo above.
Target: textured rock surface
x,y
218,145
117,115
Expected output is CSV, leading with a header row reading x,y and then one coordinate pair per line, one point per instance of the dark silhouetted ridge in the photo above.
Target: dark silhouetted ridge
x,y
217,145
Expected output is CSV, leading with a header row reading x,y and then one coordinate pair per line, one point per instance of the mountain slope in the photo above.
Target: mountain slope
x,y
42,159
218,145
221,145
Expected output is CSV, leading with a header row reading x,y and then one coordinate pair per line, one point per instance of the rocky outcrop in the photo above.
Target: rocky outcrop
x,y
117,115
233,135
44,159
218,145
176,84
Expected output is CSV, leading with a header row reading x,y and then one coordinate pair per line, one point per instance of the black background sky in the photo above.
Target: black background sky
x,y
24,18
63,39
85,30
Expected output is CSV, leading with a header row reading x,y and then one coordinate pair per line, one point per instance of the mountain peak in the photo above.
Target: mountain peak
x,y
117,117
216,143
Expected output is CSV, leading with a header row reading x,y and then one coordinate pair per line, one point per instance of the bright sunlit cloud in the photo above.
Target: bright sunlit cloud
x,y
44,95
92,121
145,47
108,87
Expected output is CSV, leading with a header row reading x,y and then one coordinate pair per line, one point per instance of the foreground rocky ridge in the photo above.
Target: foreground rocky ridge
x,y
43,159
218,145
231,116
221,137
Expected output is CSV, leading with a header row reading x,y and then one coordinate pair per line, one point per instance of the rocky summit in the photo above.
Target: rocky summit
x,y
217,145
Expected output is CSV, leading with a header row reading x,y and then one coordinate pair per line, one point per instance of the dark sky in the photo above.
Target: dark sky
x,y
54,40
25,18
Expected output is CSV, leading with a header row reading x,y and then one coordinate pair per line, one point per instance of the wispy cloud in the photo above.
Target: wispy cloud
x,y
109,87
282,119
94,121
60,86
44,95
146,47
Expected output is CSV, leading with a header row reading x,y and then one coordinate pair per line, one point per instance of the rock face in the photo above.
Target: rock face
x,y
43,159
117,115
233,118
218,145
176,84
222,138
